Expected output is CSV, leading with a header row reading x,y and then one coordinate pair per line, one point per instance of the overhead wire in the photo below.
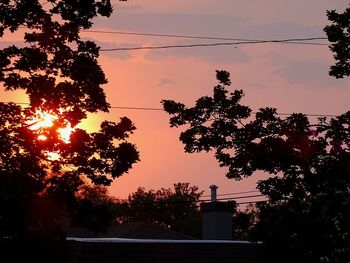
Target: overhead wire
x,y
234,193
282,41
188,36
165,35
200,200
231,198
145,208
194,36
238,41
160,109
194,202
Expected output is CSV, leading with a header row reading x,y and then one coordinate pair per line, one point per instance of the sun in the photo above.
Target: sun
x,y
65,133
42,120
46,120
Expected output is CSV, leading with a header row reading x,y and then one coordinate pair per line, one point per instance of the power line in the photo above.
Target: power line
x,y
198,37
239,41
160,109
189,207
187,36
231,198
165,35
301,40
174,202
199,200
280,114
235,193
147,206
282,41
308,114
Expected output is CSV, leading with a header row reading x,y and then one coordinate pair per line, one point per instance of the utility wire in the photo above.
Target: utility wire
x,y
235,193
199,37
195,37
239,41
146,206
243,40
233,198
199,200
281,41
160,109
189,207
310,115
165,35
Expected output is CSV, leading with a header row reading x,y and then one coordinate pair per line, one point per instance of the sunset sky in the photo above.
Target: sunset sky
x,y
292,78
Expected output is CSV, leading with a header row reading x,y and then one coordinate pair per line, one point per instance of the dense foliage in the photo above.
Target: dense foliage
x,y
174,208
338,34
309,164
40,171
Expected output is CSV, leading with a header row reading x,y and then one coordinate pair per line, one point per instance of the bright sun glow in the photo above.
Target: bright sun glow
x,y
65,133
45,120
42,137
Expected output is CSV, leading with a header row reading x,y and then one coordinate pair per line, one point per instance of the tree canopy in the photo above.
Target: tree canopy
x,y
174,208
60,74
338,34
309,164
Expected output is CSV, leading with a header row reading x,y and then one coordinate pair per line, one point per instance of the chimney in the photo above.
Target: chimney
x,y
213,188
216,218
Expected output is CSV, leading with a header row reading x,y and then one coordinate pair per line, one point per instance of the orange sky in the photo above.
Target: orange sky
x,y
292,78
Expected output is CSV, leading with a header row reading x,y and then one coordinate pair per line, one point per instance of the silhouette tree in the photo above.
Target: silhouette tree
x,y
40,170
96,209
338,35
306,217
176,209
244,222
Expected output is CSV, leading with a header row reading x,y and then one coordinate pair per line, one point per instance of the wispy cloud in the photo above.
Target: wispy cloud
x,y
312,74
164,82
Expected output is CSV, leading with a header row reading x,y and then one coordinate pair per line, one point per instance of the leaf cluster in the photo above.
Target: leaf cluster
x,y
338,34
175,208
309,186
